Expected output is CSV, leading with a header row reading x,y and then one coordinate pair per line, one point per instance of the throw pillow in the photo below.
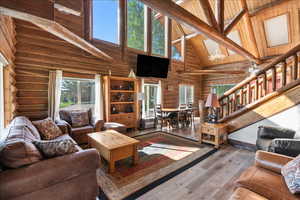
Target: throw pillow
x,y
79,118
47,128
291,174
53,148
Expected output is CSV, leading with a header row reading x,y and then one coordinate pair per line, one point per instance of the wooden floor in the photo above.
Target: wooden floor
x,y
211,179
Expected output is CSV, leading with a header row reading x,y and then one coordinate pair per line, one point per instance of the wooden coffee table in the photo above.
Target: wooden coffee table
x,y
114,146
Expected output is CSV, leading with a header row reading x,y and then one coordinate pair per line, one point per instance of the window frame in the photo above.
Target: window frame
x,y
185,93
71,77
144,107
88,7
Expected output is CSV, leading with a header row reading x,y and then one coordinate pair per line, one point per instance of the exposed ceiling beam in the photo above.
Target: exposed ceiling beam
x,y
66,10
50,26
234,21
215,72
266,6
180,29
208,13
250,30
172,10
220,14
188,36
71,4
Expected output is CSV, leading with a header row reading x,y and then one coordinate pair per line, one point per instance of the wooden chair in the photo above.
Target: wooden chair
x,y
160,116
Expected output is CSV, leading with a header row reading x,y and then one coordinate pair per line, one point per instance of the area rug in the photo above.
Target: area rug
x,y
160,154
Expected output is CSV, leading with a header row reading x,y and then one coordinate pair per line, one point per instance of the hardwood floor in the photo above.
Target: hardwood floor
x,y
211,179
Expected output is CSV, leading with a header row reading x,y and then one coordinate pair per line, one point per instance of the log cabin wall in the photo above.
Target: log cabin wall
x,y
38,52
7,49
208,81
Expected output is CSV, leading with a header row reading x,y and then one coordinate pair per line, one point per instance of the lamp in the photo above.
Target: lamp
x,y
212,103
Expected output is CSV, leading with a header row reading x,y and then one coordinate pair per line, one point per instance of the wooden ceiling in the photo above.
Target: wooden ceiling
x,y
259,10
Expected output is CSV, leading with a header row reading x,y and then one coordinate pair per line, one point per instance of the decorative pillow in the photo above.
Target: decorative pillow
x,y
53,148
291,174
47,128
80,118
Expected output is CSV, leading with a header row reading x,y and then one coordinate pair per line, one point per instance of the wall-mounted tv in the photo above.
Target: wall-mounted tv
x,y
150,66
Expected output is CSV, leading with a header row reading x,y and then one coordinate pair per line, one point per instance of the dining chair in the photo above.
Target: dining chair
x,y
160,116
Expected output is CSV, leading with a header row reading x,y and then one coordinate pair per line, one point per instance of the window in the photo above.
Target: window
x,y
135,24
1,98
221,89
158,34
234,36
77,94
105,20
211,46
151,99
186,94
276,30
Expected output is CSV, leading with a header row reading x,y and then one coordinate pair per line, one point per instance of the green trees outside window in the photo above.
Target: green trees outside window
x,y
135,24
158,34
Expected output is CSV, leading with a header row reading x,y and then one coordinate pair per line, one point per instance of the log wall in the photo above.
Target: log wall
x,y
7,49
38,52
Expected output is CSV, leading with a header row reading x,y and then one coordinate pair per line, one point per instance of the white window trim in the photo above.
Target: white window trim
x,y
1,97
185,93
158,97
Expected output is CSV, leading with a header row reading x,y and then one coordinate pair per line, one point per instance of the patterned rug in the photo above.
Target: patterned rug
x,y
159,155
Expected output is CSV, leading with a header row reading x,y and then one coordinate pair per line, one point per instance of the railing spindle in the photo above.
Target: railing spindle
x,y
295,69
283,74
274,79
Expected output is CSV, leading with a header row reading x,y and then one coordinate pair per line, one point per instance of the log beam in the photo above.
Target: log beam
x,y
172,10
234,22
202,72
208,13
50,26
220,14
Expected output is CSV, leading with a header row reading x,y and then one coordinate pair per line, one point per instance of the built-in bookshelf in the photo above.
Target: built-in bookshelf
x,y
121,103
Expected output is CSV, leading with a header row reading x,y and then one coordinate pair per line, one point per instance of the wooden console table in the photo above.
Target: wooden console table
x,y
215,134
114,146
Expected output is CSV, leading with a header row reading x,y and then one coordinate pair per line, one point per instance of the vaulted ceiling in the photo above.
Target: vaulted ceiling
x,y
259,10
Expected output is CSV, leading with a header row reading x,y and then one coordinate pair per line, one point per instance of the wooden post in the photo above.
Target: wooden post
x,y
123,26
274,79
148,30
256,89
183,51
283,76
220,14
295,67
264,86
234,102
227,105
242,97
168,38
248,93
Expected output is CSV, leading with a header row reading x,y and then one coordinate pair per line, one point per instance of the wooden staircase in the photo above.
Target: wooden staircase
x,y
272,89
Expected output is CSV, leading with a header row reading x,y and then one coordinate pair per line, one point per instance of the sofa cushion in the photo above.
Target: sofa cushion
x,y
82,130
65,115
271,132
266,183
291,174
67,136
17,149
24,121
48,129
80,118
58,147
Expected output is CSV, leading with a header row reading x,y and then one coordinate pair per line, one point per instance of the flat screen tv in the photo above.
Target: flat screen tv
x,y
150,66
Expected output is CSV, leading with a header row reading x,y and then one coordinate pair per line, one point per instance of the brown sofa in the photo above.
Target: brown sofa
x,y
66,177
79,134
264,180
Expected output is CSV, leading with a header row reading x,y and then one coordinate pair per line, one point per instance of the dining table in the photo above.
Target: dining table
x,y
167,111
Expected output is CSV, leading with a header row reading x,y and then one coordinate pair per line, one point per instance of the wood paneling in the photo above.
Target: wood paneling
x,y
39,51
7,49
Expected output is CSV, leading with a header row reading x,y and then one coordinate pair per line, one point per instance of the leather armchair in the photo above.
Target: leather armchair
x,y
278,140
79,134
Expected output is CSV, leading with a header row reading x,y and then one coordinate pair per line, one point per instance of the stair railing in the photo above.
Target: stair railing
x,y
276,77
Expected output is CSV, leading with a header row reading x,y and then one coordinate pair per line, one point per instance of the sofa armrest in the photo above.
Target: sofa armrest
x,y
97,124
271,132
288,147
271,161
64,126
46,173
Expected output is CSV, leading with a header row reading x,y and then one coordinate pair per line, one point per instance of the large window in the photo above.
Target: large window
x,y
235,37
1,99
77,94
158,34
151,99
186,94
135,24
176,51
106,20
221,89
